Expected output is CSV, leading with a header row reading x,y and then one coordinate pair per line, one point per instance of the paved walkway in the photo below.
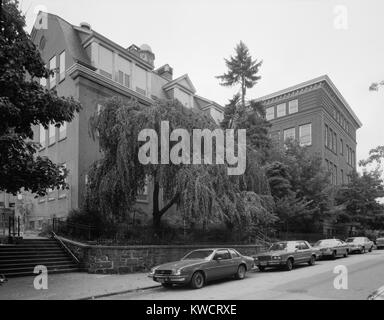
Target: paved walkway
x,y
71,286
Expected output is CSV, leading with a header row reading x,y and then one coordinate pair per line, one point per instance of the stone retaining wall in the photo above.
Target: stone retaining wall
x,y
128,259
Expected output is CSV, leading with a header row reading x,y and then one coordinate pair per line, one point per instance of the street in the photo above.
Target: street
x,y
365,275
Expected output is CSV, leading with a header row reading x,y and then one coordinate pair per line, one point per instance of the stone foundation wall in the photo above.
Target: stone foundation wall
x,y
129,259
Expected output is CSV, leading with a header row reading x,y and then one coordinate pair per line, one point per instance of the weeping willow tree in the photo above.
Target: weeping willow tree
x,y
202,193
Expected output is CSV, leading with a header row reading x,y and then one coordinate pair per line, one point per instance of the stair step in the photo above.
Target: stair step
x,y
30,269
34,256
30,273
31,263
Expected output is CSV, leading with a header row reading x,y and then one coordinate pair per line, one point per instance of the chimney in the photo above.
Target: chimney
x,y
165,71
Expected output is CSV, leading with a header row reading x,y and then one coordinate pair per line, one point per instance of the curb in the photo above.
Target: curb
x,y
118,293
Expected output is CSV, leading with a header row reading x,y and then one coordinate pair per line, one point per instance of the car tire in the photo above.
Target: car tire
x,y
167,285
345,254
334,255
197,280
362,250
289,264
312,261
262,269
370,249
241,271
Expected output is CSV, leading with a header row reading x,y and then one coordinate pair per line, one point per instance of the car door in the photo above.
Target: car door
x,y
305,252
221,264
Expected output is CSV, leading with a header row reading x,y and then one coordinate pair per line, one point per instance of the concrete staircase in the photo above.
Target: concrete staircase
x,y
21,259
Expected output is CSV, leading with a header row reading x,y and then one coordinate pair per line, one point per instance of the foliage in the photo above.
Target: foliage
x,y
359,200
23,104
202,193
300,186
242,69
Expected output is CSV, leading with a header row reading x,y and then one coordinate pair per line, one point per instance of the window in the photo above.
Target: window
x,y
62,191
62,66
105,62
293,106
289,134
326,135
51,194
123,71
42,136
305,134
334,142
223,254
141,80
338,117
342,176
51,134
353,162
63,131
43,81
281,110
341,147
270,113
330,138
275,136
52,67
335,174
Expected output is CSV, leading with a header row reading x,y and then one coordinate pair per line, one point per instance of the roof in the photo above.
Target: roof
x,y
182,81
322,78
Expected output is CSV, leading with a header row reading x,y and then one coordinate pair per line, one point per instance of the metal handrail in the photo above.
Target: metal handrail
x,y
65,247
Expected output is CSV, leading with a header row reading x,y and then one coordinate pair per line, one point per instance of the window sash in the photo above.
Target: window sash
x,y
42,135
281,110
305,132
51,134
270,113
293,106
63,131
62,65
52,67
289,134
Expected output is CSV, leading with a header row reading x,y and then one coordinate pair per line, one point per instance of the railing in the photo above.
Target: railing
x,y
76,230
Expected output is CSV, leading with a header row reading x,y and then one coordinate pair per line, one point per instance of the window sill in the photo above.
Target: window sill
x,y
51,199
62,139
41,201
142,201
51,144
63,197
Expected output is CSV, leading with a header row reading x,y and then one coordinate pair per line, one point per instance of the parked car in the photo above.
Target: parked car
x,y
377,295
332,248
380,243
359,244
286,254
200,266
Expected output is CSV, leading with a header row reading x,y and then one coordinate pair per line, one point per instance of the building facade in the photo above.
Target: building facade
x,y
316,114
92,68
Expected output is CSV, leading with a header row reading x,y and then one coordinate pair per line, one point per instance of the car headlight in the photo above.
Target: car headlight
x,y
276,258
152,272
176,272
255,258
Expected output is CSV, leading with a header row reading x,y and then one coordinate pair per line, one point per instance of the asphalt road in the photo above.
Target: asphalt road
x,y
365,274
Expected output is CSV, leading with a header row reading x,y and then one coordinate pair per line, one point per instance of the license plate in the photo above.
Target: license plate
x,y
263,263
161,280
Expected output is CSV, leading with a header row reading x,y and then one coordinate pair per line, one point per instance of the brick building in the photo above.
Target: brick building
x,y
92,68
316,114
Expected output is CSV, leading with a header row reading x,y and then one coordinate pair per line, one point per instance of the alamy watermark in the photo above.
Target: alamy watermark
x,y
181,152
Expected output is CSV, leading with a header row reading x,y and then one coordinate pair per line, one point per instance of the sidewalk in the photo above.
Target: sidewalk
x,y
72,286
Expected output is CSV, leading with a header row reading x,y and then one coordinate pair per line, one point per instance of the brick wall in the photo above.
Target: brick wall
x,y
128,259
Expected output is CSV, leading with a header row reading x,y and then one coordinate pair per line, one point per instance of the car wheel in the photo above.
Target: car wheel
x,y
241,271
311,261
362,250
334,254
289,264
197,280
167,285
261,268
370,249
345,254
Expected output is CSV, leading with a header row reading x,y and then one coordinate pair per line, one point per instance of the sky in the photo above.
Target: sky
x,y
297,40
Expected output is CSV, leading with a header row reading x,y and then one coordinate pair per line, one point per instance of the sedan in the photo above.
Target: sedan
x,y
380,243
200,266
360,244
286,254
332,248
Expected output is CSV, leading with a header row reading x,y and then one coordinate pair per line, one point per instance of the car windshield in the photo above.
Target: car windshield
x,y
325,243
278,246
353,240
198,254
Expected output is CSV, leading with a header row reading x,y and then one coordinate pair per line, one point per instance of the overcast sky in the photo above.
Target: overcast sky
x,y
297,39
